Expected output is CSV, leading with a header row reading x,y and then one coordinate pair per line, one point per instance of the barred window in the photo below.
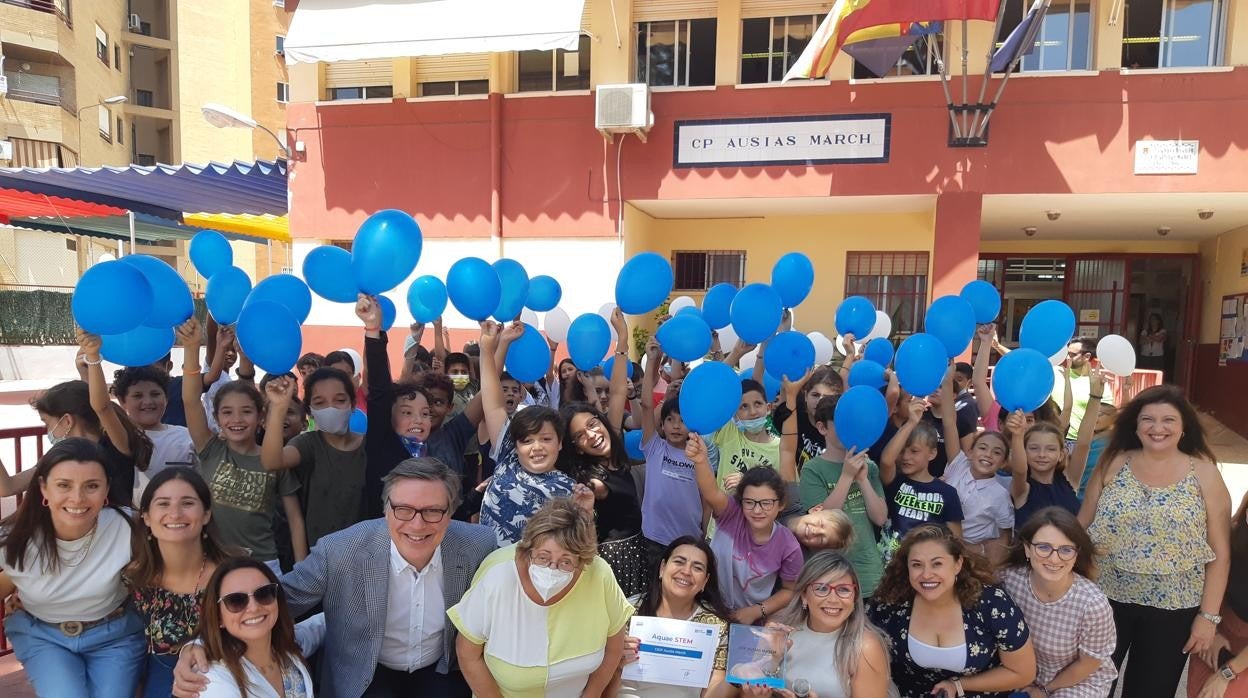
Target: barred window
x,y
895,282
698,270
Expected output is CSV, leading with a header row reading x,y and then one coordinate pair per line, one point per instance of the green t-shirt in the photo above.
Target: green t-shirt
x,y
331,485
243,497
738,454
819,477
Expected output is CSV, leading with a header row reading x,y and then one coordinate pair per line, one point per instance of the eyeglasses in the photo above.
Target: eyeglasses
x,y
764,504
406,513
544,559
1064,552
842,591
591,425
264,596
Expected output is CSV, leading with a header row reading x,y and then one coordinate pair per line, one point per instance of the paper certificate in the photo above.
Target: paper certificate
x,y
673,652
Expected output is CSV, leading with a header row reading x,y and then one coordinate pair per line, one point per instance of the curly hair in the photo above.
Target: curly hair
x,y
895,587
567,524
125,378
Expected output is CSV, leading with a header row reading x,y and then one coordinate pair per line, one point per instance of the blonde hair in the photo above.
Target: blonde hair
x,y
837,522
567,524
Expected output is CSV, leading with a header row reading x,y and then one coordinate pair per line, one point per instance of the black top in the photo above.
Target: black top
x,y
1041,495
120,470
619,515
810,442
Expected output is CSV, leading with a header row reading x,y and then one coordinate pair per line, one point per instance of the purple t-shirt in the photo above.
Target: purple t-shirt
x,y
672,506
747,570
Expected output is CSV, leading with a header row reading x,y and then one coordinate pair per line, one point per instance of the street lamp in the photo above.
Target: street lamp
x,y
223,117
107,101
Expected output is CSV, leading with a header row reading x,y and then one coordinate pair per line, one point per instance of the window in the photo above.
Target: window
x,y
922,58
101,45
698,270
279,3
454,88
771,45
145,160
143,98
369,92
554,71
895,282
105,122
280,42
676,53
71,244
283,92
117,57
120,132
1064,39
344,244
1173,33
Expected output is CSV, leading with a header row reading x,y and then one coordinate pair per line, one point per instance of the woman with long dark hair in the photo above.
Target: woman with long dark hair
x,y
181,551
249,635
684,586
64,551
1160,511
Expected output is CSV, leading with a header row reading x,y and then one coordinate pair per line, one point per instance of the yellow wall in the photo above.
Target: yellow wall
x,y
1089,246
825,239
214,51
1220,261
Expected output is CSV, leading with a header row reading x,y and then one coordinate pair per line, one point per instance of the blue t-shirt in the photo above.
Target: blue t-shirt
x,y
672,505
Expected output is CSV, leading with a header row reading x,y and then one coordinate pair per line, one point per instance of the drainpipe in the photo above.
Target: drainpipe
x,y
496,172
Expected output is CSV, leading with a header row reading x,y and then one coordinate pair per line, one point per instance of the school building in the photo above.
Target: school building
x,y
1115,174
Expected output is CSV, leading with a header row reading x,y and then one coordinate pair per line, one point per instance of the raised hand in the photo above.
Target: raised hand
x,y
512,332
189,333
489,335
279,391
89,344
792,389
916,409
369,312
694,448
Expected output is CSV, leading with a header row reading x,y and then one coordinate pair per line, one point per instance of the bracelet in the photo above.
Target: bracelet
x,y
788,433
89,362
762,609
957,683
1095,397
621,353
372,329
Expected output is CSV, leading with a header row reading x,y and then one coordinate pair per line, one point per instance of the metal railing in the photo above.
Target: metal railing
x,y
16,448
60,8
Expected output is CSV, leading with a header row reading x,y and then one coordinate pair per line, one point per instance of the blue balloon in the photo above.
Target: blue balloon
x,y
709,397
879,350
327,270
717,304
756,312
860,416
921,364
426,298
771,384
868,373
285,290
388,312
269,335
359,422
690,310
544,293
609,365
515,285
685,337
111,298
474,288
1023,380
632,444
589,337
951,320
171,299
226,293
141,346
644,283
1047,327
985,300
385,251
792,277
528,357
855,316
210,253
789,355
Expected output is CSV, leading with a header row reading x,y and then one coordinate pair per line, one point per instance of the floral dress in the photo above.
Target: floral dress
x,y
993,625
171,619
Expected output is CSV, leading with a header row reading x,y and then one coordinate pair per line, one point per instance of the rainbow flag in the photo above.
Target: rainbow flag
x,y
852,21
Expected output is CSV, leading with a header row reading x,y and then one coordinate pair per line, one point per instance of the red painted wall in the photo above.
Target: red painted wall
x,y
1051,134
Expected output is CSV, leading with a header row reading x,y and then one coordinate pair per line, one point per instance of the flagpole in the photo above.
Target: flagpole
x,y
992,106
944,84
992,43
965,68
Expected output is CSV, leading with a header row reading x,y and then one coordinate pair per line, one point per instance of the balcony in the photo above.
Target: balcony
x,y
30,87
58,8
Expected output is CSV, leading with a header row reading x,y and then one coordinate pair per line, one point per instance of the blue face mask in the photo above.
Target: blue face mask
x,y
415,447
751,426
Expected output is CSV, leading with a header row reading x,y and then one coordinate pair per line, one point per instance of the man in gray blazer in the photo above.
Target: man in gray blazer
x,y
385,585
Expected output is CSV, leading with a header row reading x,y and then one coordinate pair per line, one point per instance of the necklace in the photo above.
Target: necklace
x,y
80,554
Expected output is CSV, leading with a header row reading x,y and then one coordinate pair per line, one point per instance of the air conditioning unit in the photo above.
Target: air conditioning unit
x,y
623,109
136,22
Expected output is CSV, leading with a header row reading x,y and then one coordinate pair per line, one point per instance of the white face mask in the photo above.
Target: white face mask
x,y
332,420
548,581
52,437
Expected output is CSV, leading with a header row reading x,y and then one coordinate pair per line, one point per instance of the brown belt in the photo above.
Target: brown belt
x,y
74,628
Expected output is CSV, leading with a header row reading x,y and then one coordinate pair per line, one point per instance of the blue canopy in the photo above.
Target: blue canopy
x,y
164,190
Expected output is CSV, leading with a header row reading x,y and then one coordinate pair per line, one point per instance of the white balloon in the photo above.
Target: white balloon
x,y
727,338
1115,354
749,361
678,303
824,349
529,317
556,325
1059,357
606,310
883,327
840,345
645,362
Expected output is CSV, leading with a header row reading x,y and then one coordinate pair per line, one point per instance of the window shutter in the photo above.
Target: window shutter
x,y
784,8
587,16
370,73
659,10
460,66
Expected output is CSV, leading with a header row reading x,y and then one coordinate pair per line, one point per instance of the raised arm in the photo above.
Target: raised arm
x,y
617,398
219,340
1068,400
1083,440
949,416
888,459
409,362
979,375
274,454
1016,425
851,356
712,496
645,406
788,429
246,369
494,412
193,385
439,341
101,404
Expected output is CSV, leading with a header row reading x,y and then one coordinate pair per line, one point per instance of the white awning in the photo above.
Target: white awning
x,y
349,30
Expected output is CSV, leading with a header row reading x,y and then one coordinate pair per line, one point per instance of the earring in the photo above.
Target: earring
x,y
45,501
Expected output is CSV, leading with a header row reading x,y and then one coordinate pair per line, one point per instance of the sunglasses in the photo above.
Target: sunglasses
x,y
264,596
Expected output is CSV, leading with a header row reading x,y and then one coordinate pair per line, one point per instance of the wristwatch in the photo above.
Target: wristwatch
x,y
1227,673
1212,618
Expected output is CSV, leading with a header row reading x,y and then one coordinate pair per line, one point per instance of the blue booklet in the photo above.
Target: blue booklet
x,y
756,655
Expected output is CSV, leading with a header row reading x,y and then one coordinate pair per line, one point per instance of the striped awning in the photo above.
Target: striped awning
x,y
22,204
268,227
147,228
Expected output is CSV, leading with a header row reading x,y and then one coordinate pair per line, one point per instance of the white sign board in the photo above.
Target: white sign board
x,y
789,140
1166,157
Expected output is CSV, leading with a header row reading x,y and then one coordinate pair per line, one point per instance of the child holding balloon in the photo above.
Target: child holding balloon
x,y
243,491
914,496
744,442
823,382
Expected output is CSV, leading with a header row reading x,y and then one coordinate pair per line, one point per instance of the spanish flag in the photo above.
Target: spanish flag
x,y
851,21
